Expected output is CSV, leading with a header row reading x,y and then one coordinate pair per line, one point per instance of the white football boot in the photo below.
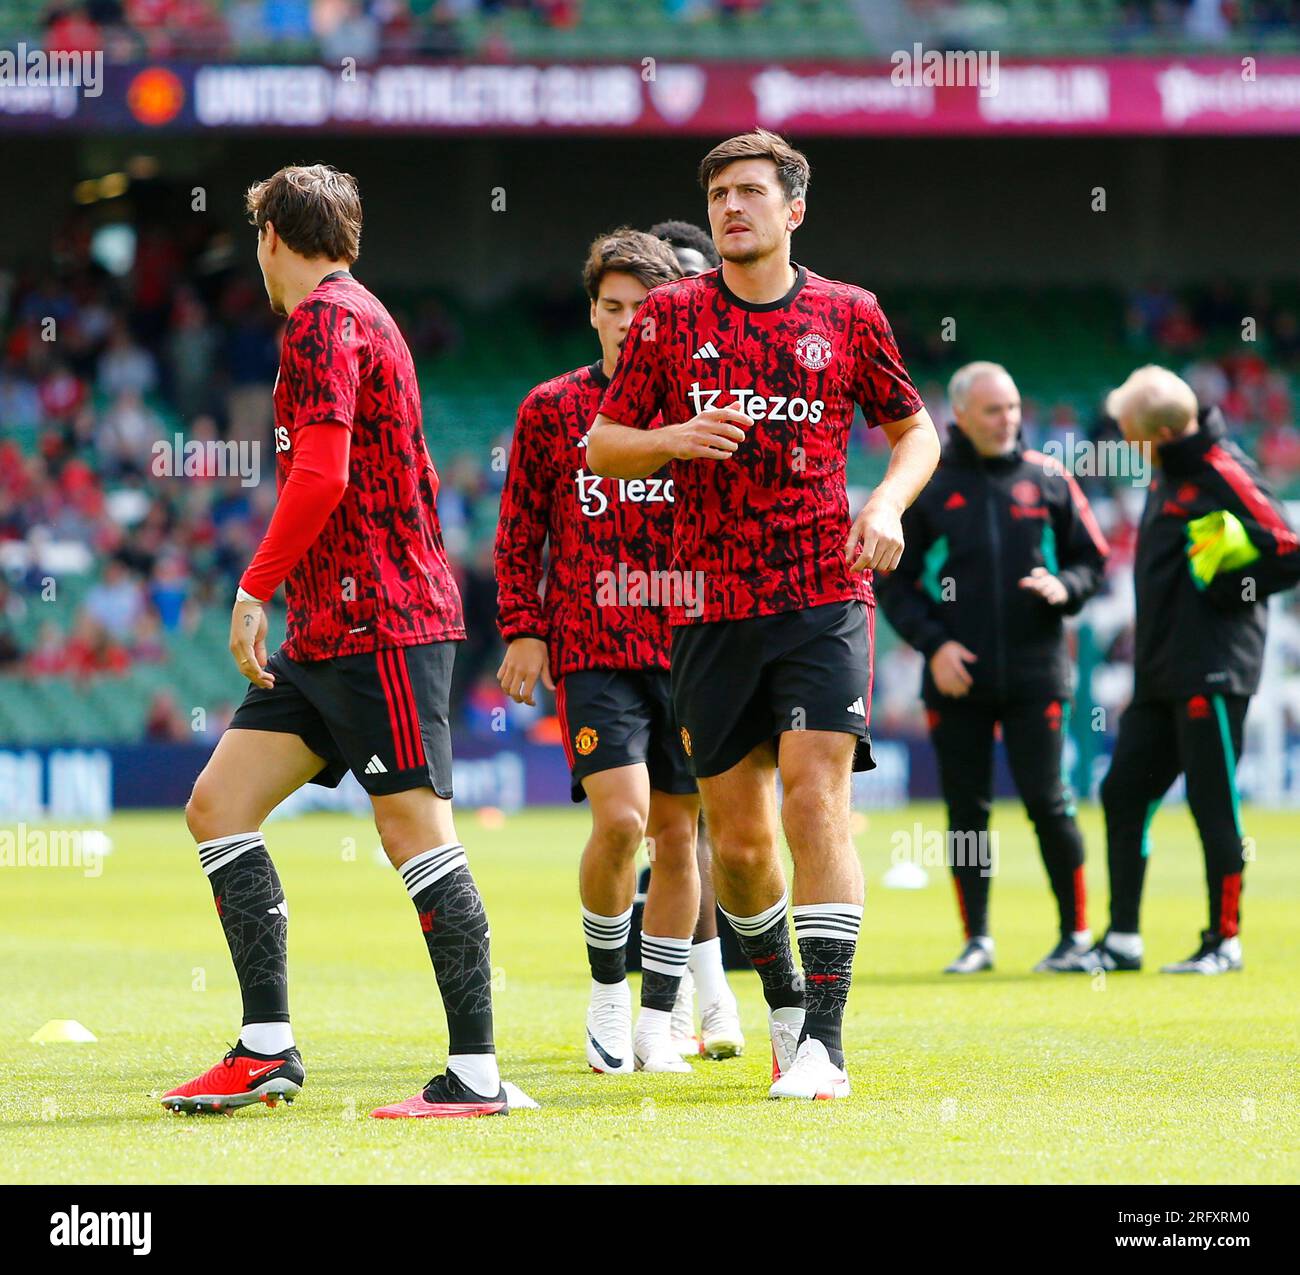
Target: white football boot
x,y
784,1026
813,1075
1215,956
720,1028
609,1028
654,1048
685,1041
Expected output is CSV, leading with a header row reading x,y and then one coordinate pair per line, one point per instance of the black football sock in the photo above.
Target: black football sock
x,y
663,962
828,937
456,931
607,944
765,941
255,918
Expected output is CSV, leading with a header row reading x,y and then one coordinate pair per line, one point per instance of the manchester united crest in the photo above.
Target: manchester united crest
x,y
585,741
813,351
686,740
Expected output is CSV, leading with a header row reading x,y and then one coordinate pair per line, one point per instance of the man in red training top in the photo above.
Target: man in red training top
x,y
599,634
361,682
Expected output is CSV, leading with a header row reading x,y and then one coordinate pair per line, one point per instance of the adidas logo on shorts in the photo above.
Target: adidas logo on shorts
x,y
857,708
376,767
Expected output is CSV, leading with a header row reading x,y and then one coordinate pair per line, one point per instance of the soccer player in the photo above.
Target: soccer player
x,y
361,682
756,368
1000,547
720,1034
1213,544
599,637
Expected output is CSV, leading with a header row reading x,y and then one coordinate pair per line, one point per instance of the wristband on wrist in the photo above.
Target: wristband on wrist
x,y
241,595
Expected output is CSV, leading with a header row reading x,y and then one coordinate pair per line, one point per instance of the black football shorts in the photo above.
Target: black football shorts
x,y
621,717
382,715
737,683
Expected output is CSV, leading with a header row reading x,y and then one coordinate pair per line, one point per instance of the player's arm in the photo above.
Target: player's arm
x,y
1081,552
876,537
1245,495
517,554
320,361
313,489
882,388
621,451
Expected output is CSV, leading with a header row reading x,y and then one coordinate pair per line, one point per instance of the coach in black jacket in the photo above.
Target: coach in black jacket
x,y
998,549
1199,650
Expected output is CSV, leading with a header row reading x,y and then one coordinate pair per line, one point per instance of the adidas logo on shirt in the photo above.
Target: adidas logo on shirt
x,y
707,351
857,708
376,767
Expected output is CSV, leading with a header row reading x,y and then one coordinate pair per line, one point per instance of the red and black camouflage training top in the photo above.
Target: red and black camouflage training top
x,y
604,605
766,528
377,575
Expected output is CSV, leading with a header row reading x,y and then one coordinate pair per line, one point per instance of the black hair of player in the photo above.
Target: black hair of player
x,y
685,234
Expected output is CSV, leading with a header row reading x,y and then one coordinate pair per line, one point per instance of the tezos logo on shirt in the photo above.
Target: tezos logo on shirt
x,y
758,407
594,500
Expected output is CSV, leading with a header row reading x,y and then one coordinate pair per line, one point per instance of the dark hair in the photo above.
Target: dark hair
x,y
630,252
315,209
685,234
792,168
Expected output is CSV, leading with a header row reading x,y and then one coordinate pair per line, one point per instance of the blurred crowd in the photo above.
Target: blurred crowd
x,y
1203,22
127,30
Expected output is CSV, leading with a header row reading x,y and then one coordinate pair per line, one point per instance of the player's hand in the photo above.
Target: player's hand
x,y
948,668
1047,586
876,537
712,435
525,661
248,643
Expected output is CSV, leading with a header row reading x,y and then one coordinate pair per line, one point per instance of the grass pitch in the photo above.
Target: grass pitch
x,y
1008,1077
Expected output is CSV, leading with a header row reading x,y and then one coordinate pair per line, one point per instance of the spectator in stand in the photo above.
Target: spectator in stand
x,y
165,723
116,602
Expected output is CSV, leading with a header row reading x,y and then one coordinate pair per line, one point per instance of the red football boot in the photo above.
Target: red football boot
x,y
241,1078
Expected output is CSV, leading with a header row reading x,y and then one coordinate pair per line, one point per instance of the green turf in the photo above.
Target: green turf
x,y
1010,1077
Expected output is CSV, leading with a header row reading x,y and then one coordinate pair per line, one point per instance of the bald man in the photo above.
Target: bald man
x,y
1212,546
1000,547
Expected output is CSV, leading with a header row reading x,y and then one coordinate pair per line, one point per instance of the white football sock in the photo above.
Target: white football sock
x,y
477,1072
266,1038
1081,938
1124,944
653,1025
706,968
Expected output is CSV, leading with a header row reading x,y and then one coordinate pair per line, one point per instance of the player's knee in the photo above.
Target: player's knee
x,y
673,849
202,811
618,831
809,808
742,852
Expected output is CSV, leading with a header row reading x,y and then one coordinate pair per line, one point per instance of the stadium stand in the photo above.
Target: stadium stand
x,y
130,30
